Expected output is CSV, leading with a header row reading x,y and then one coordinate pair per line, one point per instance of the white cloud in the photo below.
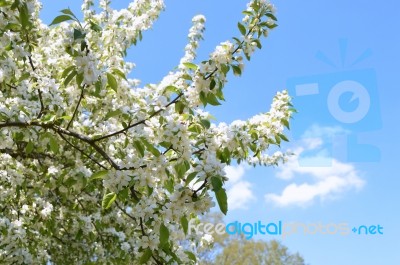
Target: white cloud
x,y
238,191
317,135
239,195
329,177
316,131
234,173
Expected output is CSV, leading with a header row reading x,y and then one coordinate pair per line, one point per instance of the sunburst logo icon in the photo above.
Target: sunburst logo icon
x,y
346,97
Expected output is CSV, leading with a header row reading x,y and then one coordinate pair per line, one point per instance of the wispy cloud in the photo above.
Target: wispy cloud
x,y
329,178
239,191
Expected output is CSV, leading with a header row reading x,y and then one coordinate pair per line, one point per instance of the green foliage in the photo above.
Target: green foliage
x,y
257,252
112,82
108,199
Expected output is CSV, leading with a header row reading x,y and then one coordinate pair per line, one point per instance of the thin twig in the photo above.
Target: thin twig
x,y
42,108
200,188
124,211
61,130
81,151
139,122
76,108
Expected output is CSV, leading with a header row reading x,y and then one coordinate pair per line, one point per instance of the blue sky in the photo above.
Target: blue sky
x,y
345,56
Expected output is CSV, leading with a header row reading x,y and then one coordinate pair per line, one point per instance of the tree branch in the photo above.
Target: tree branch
x,y
194,195
33,155
61,130
42,108
144,233
81,151
139,122
124,211
76,108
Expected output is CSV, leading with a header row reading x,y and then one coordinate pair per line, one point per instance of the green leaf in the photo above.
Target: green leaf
x,y
206,123
283,137
247,13
195,128
15,4
119,73
139,147
187,77
67,12
271,16
165,144
149,191
67,71
151,148
78,34
171,89
258,43
124,194
3,3
69,77
9,47
286,123
212,84
212,99
164,235
70,182
60,19
146,256
179,107
29,148
220,94
203,98
247,56
54,147
190,177
65,117
236,70
83,45
242,28
24,76
237,40
112,113
278,139
18,136
98,175
79,79
95,27
97,86
216,182
112,82
169,185
182,168
108,199
185,224
191,66
191,256
255,5
222,200
24,16
13,27
224,68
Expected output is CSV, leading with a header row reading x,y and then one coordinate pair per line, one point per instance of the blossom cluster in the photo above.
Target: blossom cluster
x,y
95,168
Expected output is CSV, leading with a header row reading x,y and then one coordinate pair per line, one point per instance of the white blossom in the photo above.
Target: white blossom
x,y
95,166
